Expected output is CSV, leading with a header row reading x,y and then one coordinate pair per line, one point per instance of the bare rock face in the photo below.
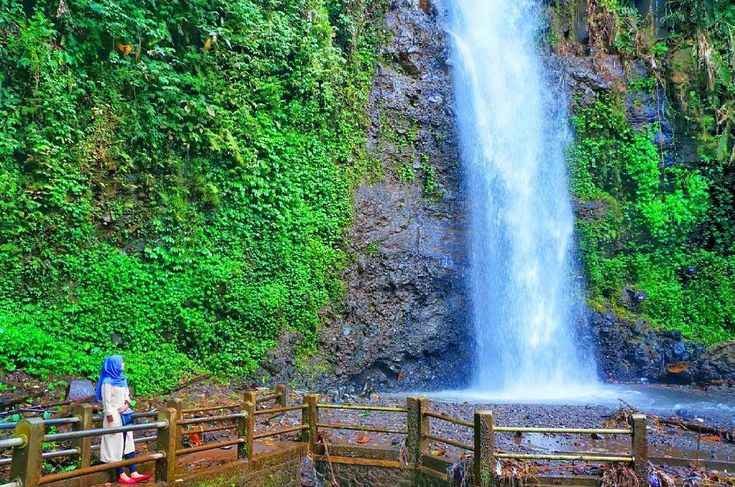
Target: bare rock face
x,y
717,364
403,324
631,351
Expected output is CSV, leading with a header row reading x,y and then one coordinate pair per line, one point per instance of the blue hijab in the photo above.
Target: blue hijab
x,y
111,373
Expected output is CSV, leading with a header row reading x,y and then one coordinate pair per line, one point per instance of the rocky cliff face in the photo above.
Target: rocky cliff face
x,y
403,322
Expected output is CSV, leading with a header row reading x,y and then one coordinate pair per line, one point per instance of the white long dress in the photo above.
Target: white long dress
x,y
111,448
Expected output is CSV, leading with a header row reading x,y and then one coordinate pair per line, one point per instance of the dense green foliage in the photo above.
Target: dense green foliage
x,y
665,230
175,178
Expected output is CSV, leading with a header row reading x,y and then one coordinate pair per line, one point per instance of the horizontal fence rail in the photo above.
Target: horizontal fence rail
x,y
210,446
569,431
284,431
360,407
15,442
144,414
447,441
74,435
210,419
358,427
286,409
47,422
449,419
566,457
211,408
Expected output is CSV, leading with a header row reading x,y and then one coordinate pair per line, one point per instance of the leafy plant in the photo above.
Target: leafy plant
x,y
175,179
644,232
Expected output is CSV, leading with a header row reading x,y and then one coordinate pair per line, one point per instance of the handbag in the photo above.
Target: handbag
x,y
126,418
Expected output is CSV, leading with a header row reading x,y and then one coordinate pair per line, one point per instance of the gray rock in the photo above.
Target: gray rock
x,y
80,390
631,351
405,301
717,364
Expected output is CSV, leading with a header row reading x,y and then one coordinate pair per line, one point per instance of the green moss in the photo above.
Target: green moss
x,y
406,173
373,248
432,189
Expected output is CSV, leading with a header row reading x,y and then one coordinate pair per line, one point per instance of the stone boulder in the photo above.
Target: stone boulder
x,y
632,351
717,364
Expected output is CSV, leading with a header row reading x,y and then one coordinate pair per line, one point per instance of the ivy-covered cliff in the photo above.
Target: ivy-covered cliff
x,y
654,161
176,178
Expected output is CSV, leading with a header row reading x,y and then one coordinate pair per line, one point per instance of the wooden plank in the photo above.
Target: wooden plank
x,y
369,462
58,477
447,441
433,473
363,407
413,429
439,464
563,431
250,403
449,419
312,416
374,452
357,427
283,431
84,412
565,458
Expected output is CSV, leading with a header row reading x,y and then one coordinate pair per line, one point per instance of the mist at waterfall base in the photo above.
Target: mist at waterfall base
x,y
525,289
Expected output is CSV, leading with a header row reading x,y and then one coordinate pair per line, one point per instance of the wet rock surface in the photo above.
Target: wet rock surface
x,y
634,351
717,363
403,322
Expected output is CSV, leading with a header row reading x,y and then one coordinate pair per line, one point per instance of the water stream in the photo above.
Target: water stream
x,y
525,290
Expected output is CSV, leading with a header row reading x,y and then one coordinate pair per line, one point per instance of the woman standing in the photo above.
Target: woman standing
x,y
112,391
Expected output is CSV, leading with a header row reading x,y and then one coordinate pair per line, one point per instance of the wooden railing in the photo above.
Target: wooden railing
x,y
174,423
486,454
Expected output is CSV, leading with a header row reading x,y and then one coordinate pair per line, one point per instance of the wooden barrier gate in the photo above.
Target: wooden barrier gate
x,y
174,423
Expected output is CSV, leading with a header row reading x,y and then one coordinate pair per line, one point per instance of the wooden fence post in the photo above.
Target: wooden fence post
x,y
312,418
413,430
84,412
178,405
167,444
251,400
417,427
640,446
28,460
424,425
242,432
484,449
282,390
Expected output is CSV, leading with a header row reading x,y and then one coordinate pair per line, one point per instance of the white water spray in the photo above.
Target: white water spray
x,y
513,128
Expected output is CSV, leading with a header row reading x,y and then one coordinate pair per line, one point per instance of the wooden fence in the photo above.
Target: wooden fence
x,y
173,423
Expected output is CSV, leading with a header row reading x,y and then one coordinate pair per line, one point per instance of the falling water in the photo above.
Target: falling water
x,y
513,130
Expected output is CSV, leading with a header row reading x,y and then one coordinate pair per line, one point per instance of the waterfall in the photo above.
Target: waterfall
x,y
526,295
